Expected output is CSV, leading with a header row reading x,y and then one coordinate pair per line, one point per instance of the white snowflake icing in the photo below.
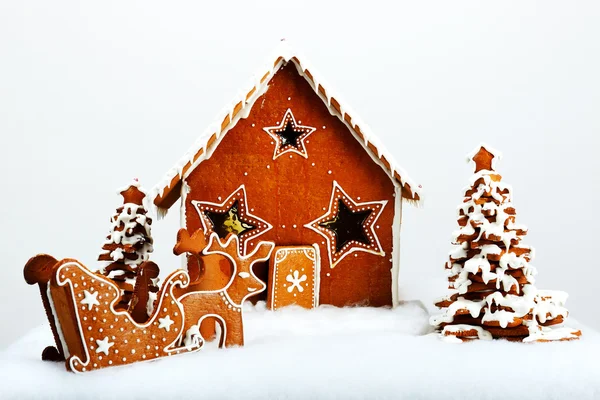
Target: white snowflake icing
x,y
295,281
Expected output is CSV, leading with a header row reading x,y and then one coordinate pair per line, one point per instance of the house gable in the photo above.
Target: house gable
x,y
166,192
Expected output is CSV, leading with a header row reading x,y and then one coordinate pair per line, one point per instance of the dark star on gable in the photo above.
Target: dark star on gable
x,y
288,136
347,226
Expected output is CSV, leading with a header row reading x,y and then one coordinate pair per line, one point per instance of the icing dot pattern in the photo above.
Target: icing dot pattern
x,y
104,338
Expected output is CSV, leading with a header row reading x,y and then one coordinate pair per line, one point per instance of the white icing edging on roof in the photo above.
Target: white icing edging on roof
x,y
286,54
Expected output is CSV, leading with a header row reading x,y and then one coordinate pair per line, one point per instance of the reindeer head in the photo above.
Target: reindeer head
x,y
244,282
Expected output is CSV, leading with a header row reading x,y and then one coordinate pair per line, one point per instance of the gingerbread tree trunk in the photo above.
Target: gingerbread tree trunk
x,y
493,293
126,247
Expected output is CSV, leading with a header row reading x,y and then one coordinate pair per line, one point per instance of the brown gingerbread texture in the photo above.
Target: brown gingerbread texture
x,y
91,332
127,246
225,306
289,164
294,277
207,272
489,271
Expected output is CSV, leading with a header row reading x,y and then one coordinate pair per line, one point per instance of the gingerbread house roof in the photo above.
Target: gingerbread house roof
x,y
168,190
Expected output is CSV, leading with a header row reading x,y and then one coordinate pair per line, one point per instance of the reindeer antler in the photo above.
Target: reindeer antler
x,y
192,244
263,251
215,245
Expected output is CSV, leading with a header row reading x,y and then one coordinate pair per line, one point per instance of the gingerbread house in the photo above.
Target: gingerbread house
x,y
289,163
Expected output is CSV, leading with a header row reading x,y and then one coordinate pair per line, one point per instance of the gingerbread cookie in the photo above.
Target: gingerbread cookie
x,y
127,246
90,332
494,293
294,277
225,305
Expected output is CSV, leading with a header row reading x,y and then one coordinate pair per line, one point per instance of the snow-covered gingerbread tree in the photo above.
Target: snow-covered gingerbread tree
x,y
127,249
493,293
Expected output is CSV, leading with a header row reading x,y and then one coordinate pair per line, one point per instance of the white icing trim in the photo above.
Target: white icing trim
x,y
214,237
356,205
317,277
181,278
284,120
286,55
277,259
185,189
396,229
244,249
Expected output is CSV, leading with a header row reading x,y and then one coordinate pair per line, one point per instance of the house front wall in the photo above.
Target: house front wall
x,y
290,190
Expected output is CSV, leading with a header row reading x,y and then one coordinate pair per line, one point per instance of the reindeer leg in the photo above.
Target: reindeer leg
x,y
235,330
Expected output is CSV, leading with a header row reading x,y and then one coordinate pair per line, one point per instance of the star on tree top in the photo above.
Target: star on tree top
x,y
484,158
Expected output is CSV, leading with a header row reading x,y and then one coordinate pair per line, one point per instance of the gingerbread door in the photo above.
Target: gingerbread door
x,y
294,277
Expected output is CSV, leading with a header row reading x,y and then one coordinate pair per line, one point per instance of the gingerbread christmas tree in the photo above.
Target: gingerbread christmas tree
x,y
127,248
493,292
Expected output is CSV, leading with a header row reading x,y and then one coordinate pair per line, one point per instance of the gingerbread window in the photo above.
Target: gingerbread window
x,y
289,136
348,225
231,216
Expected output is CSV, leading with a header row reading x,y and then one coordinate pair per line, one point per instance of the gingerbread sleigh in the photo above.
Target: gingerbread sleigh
x,y
288,198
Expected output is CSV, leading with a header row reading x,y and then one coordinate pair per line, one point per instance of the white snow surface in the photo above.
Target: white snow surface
x,y
327,353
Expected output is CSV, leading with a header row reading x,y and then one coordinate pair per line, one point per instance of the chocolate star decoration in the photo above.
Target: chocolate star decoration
x,y
348,226
289,137
231,216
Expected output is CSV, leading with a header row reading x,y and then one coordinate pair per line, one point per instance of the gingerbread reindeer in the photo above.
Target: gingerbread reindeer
x,y
224,305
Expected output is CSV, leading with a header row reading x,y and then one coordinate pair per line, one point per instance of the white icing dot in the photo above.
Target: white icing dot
x,y
329,172
117,351
323,126
125,341
289,98
143,356
268,166
132,351
124,359
110,361
89,328
245,174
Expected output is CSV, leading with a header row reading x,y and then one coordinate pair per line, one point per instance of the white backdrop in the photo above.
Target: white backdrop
x,y
94,94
